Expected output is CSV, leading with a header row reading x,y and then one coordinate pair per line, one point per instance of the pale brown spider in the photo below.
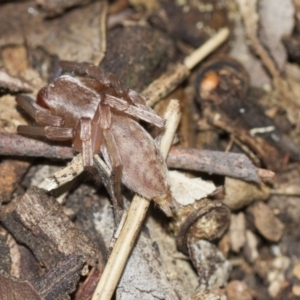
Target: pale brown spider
x,y
98,115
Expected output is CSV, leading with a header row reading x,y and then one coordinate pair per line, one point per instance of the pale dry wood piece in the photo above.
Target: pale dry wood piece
x,y
240,50
266,175
134,221
102,32
290,190
165,84
65,175
186,190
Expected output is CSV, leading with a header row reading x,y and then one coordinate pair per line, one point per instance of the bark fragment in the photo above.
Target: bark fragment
x,y
38,221
11,288
61,281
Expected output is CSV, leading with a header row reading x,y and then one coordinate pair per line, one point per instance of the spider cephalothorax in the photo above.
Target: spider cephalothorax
x,y
98,115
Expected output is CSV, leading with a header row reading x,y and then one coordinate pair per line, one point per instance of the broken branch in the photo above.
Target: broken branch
x,y
213,162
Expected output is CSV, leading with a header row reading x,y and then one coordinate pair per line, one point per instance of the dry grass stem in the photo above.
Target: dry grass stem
x,y
102,32
165,84
208,47
136,214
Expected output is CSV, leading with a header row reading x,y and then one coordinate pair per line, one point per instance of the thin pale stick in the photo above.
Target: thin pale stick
x,y
165,84
102,33
65,175
135,217
208,47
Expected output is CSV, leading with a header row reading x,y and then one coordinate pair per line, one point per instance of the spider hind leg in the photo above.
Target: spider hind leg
x,y
50,132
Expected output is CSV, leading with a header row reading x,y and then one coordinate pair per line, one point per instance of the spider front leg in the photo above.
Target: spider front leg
x,y
104,141
42,116
83,141
112,175
50,124
83,69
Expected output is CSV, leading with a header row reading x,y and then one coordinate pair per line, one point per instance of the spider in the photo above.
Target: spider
x,y
95,112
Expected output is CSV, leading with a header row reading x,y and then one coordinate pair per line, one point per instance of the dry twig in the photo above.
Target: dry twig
x,y
165,84
213,162
102,32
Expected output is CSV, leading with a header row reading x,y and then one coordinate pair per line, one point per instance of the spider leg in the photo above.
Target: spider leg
x,y
111,177
84,138
136,98
116,164
84,68
107,178
100,130
42,116
50,132
136,111
115,83
101,121
51,126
